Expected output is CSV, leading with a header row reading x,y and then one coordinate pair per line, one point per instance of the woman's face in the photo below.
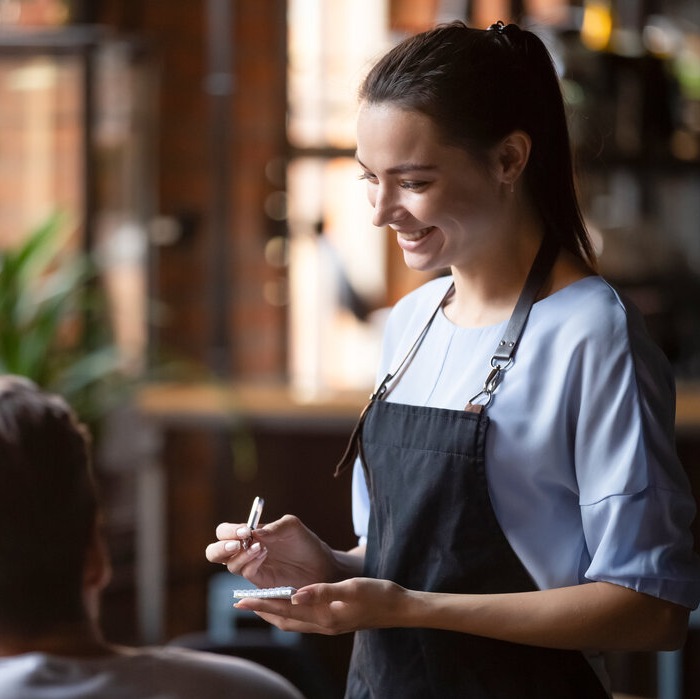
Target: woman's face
x,y
445,207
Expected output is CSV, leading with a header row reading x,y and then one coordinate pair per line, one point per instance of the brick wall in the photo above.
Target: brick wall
x,y
196,459
186,185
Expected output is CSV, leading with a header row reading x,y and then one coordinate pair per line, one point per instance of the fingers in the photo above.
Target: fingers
x,y
242,554
248,561
287,624
312,594
284,525
306,619
236,546
325,593
277,612
226,530
232,539
230,534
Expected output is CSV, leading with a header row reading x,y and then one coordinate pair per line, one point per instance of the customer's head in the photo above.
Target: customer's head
x,y
478,86
47,509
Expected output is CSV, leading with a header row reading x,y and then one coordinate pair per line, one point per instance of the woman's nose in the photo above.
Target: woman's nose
x,y
385,208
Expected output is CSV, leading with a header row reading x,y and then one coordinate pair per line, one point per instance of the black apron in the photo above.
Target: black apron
x,y
432,527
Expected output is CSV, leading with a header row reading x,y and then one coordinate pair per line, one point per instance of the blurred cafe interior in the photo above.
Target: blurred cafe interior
x,y
194,160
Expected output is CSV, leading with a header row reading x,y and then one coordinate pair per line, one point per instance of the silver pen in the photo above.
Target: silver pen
x,y
255,513
254,518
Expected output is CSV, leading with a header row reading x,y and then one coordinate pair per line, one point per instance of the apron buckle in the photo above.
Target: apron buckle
x,y
482,399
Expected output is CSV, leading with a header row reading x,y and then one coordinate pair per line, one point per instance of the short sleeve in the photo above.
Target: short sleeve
x,y
635,498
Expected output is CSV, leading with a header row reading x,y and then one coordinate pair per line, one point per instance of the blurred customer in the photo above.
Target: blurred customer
x,y
54,565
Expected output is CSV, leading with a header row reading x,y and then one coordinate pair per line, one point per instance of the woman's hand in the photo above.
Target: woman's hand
x,y
332,609
284,552
597,615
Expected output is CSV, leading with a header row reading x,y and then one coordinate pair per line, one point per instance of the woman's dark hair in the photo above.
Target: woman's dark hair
x,y
48,508
480,85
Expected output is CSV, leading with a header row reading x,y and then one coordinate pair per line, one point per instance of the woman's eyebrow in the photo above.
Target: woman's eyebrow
x,y
403,167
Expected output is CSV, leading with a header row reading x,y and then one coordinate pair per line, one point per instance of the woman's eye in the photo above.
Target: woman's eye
x,y
412,185
367,176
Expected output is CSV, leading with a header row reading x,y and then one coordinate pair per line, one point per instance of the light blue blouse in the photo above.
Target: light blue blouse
x,y
580,454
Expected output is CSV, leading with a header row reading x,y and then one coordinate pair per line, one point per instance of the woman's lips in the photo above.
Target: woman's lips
x,y
414,236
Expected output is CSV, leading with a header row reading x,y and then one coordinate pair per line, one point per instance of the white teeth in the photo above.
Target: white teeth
x,y
416,235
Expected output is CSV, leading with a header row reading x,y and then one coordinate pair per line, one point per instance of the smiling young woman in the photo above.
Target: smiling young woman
x,y
517,497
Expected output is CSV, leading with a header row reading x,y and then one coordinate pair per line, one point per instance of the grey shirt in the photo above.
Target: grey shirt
x,y
143,673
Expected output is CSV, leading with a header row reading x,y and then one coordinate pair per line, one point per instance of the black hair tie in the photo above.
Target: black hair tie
x,y
507,34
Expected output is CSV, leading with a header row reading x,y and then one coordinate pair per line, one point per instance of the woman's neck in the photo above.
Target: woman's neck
x,y
487,288
488,297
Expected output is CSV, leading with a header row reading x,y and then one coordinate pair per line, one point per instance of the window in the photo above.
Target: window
x,y
76,124
337,258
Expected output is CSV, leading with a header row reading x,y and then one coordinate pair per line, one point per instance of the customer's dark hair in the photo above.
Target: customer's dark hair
x,y
480,85
47,508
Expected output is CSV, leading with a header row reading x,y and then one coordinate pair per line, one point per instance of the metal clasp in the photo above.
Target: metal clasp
x,y
492,380
382,388
491,384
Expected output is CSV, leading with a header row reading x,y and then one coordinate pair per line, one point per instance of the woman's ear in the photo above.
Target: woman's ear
x,y
513,154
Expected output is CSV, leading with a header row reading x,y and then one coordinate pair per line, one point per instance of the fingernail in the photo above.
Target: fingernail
x,y
232,546
299,597
242,532
259,552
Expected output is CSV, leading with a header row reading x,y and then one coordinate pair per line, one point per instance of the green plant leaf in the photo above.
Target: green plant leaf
x,y
45,287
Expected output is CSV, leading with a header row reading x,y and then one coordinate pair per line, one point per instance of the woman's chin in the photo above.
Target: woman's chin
x,y
419,263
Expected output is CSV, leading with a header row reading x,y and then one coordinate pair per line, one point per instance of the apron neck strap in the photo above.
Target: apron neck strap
x,y
536,278
383,386
502,357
